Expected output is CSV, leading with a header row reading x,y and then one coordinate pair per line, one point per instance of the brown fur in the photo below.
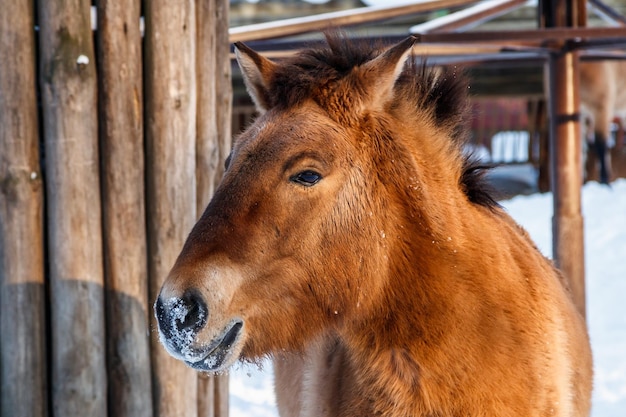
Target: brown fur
x,y
394,286
603,97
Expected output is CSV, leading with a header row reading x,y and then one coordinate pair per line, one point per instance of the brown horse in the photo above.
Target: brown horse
x,y
602,97
352,241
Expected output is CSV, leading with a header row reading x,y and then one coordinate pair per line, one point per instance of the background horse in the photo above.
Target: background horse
x,y
352,241
602,97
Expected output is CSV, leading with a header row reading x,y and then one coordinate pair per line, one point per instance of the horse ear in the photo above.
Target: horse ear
x,y
382,72
257,72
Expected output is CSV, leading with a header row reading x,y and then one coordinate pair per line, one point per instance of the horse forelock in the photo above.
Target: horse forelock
x,y
441,92
311,71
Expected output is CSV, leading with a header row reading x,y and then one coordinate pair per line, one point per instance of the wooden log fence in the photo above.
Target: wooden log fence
x,y
23,385
111,145
74,223
123,202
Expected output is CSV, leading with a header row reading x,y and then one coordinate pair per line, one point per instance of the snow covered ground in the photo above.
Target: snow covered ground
x,y
604,209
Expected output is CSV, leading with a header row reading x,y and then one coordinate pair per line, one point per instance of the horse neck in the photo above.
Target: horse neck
x,y
431,201
432,240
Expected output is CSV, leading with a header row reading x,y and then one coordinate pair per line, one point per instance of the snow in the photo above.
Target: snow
x,y
179,341
82,60
604,211
509,146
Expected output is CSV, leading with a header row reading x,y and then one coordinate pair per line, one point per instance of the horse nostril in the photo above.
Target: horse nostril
x,y
179,315
193,312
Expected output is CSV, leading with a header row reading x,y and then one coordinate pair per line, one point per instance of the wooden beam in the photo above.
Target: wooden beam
x,y
536,37
299,25
469,17
503,51
607,12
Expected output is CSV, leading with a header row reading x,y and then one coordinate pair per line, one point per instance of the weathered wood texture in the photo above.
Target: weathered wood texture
x,y
221,396
207,143
68,93
124,233
566,175
206,396
212,146
565,148
214,96
22,318
125,174
223,90
207,146
223,111
170,87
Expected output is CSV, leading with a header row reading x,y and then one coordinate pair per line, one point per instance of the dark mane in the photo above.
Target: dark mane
x,y
298,76
473,182
444,92
441,92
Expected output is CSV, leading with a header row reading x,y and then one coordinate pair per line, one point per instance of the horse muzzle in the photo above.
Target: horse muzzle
x,y
180,321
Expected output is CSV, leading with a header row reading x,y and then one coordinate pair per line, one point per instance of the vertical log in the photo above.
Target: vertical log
x,y
208,155
206,395
566,178
224,89
68,84
170,90
214,96
22,318
565,148
212,146
124,232
221,396
207,146
224,101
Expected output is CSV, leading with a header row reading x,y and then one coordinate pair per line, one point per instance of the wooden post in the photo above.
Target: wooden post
x,y
124,232
566,174
68,93
23,379
224,99
565,149
207,146
170,91
208,156
214,97
224,90
212,146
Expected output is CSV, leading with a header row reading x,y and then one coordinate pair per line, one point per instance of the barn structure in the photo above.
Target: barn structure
x,y
115,122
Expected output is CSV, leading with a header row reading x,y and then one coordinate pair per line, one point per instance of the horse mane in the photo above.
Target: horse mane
x,y
441,92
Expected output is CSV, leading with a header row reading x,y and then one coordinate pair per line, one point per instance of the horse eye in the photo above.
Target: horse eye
x,y
306,178
227,161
